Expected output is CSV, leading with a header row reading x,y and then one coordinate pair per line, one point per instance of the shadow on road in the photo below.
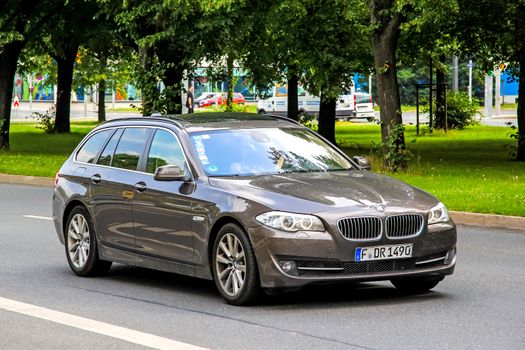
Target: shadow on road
x,y
322,296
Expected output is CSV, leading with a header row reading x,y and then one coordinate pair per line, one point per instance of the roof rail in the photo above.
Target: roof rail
x,y
281,117
149,117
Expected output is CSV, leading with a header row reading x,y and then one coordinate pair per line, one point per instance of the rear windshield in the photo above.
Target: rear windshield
x,y
362,98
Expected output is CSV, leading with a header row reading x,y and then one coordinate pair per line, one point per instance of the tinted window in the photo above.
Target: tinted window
x,y
107,154
165,150
130,148
91,148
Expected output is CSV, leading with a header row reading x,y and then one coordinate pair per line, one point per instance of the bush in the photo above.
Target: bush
x,y
460,112
46,120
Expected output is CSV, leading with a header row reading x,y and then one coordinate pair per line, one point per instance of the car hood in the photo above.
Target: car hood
x,y
318,192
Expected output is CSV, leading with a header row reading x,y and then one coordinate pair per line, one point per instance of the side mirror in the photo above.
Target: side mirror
x,y
169,173
363,162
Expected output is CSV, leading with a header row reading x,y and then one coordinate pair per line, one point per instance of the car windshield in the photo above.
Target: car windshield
x,y
249,152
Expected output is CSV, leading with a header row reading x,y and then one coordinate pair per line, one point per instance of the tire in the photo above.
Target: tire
x,y
261,111
235,269
416,285
81,245
371,119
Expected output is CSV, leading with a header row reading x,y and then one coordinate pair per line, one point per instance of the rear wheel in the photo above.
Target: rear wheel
x,y
234,266
81,245
416,285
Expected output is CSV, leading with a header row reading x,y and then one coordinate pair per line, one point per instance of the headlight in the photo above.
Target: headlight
x,y
290,222
438,214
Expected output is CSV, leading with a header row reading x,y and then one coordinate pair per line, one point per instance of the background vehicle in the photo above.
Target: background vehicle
x,y
250,201
358,105
205,96
350,106
220,99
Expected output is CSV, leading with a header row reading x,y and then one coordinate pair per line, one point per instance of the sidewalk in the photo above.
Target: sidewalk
x,y
460,218
79,111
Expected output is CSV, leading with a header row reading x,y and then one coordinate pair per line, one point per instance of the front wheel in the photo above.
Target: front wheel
x,y
416,285
81,245
234,266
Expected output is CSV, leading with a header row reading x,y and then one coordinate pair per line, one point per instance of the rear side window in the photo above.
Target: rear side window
x,y
165,150
130,148
107,154
89,150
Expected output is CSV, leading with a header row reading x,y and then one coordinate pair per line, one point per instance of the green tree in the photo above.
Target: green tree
x,y
335,46
494,31
165,37
386,18
20,22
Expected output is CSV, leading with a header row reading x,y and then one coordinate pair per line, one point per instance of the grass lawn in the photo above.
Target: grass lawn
x,y
469,170
35,153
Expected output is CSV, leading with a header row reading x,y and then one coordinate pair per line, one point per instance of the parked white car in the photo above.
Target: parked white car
x,y
351,106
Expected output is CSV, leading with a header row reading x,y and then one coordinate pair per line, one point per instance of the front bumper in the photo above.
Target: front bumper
x,y
323,257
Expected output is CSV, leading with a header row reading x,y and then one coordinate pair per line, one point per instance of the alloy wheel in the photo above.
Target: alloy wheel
x,y
230,264
78,241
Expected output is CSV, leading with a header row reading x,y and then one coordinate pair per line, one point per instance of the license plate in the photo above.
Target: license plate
x,y
383,252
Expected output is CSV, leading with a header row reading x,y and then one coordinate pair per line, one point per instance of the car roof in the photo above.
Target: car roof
x,y
209,121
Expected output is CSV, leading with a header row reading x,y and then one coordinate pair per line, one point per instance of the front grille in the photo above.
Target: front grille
x,y
403,226
362,229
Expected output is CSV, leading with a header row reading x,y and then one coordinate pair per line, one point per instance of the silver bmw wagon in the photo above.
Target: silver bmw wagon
x,y
255,203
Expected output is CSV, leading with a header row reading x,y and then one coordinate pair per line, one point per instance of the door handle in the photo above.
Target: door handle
x,y
96,179
140,186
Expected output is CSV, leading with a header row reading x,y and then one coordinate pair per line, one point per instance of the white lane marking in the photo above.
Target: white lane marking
x,y
37,217
126,334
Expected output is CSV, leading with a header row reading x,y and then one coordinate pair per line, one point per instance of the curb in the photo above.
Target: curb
x,y
460,218
27,180
488,220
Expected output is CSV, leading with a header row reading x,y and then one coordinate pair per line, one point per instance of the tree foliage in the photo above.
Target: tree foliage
x,y
20,22
494,32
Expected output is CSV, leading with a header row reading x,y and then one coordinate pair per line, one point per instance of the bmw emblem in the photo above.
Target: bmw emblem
x,y
380,207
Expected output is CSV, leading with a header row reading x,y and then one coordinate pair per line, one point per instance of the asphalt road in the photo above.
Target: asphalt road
x,y
482,306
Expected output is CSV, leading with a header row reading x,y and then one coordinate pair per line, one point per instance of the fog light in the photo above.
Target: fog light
x,y
450,257
287,266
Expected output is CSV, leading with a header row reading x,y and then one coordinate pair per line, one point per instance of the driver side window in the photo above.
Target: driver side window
x,y
165,150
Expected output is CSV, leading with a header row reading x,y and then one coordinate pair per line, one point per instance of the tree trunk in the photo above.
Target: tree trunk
x,y
441,108
102,90
172,80
231,83
384,44
293,99
520,155
327,118
101,101
8,59
65,66
148,81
